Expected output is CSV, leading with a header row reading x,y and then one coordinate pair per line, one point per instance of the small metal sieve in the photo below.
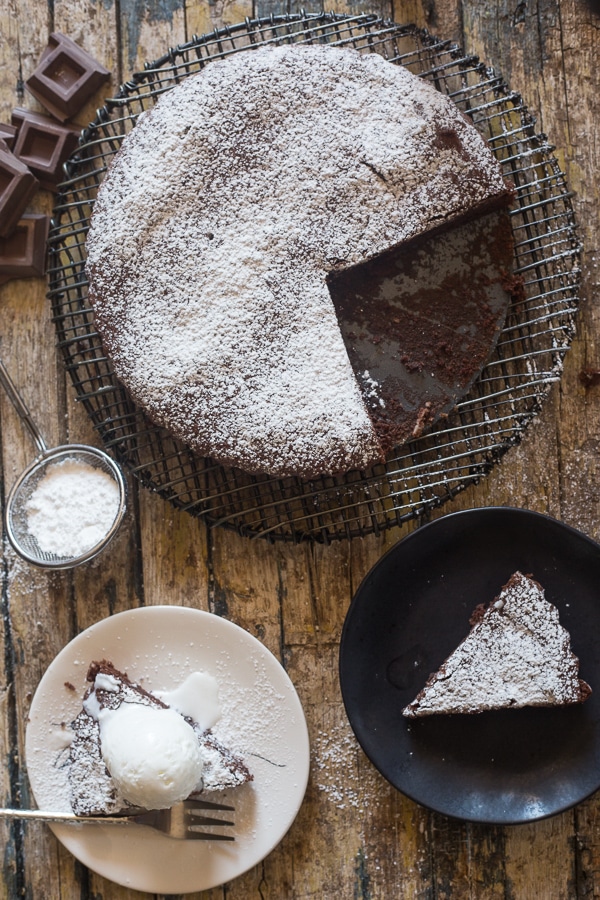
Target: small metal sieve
x,y
15,513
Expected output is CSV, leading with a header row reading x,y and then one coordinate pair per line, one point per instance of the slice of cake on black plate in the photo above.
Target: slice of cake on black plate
x,y
517,654
130,748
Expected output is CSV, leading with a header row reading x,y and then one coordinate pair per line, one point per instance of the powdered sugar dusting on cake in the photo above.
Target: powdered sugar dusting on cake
x,y
221,217
92,788
516,654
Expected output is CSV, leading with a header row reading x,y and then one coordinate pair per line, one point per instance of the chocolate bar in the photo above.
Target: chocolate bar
x,y
8,134
23,253
43,145
17,187
66,77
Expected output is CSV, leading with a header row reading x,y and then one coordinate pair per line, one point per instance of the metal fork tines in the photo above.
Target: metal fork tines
x,y
184,820
181,821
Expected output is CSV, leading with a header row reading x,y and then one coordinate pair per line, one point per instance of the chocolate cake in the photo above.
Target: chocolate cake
x,y
93,790
517,654
223,216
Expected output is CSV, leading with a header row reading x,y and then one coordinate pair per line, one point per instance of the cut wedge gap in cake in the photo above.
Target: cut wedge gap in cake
x,y
517,654
421,321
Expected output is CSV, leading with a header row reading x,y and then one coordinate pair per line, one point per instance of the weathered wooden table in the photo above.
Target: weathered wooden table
x,y
355,836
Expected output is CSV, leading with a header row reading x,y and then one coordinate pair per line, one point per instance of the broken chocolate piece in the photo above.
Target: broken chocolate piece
x,y
66,77
23,253
17,187
43,145
8,134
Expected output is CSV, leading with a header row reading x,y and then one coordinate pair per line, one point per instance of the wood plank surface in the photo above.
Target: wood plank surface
x,y
355,837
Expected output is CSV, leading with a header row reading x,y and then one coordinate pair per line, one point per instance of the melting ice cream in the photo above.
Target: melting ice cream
x,y
156,748
152,754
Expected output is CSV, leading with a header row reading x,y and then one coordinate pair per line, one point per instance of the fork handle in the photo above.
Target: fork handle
x,y
44,816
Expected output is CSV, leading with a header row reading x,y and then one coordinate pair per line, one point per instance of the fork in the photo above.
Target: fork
x,y
179,822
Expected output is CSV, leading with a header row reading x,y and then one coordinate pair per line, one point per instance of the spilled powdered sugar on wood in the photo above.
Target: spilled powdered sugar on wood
x,y
343,773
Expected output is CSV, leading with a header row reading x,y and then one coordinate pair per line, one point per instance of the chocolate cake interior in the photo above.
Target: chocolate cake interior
x,y
420,321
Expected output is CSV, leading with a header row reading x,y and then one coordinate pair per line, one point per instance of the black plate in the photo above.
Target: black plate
x,y
408,615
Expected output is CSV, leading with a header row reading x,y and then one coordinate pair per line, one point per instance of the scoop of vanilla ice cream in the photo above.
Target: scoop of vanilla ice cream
x,y
152,754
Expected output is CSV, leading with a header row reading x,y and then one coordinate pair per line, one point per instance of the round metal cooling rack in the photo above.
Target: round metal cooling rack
x,y
420,475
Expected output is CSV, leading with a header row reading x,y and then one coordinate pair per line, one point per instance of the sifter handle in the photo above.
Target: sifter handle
x,y
22,410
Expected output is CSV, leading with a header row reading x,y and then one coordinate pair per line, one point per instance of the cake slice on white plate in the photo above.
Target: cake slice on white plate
x,y
132,748
517,654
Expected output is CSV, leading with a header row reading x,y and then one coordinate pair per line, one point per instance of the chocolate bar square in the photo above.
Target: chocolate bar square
x,y
43,145
17,187
8,134
23,253
66,76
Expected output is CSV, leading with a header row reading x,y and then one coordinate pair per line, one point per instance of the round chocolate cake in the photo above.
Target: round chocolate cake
x,y
222,218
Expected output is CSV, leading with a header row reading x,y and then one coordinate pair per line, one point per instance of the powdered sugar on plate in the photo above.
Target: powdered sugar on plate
x,y
261,717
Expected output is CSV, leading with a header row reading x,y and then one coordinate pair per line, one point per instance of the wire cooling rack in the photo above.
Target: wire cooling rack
x,y
423,474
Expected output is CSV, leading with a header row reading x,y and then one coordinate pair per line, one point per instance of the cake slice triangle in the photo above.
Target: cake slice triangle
x,y
92,788
517,654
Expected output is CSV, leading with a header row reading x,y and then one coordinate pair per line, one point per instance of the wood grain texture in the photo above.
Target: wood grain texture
x,y
355,837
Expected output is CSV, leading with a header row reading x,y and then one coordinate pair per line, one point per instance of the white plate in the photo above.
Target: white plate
x,y
261,717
